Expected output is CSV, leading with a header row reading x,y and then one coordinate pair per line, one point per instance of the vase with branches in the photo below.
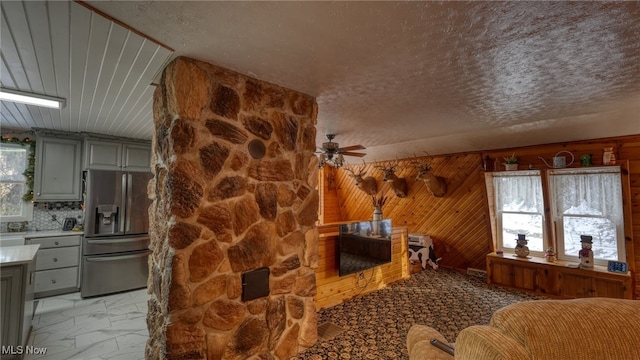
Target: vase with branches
x,y
377,203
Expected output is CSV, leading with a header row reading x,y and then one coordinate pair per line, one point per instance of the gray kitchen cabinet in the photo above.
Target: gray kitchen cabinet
x,y
115,155
136,157
57,169
11,286
103,155
16,298
58,265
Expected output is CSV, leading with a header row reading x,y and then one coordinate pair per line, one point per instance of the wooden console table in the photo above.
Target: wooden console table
x,y
556,279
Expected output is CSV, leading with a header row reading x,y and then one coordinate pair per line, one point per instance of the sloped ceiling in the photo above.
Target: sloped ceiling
x,y
400,78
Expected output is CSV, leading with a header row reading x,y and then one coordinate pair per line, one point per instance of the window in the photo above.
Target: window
x,y
588,202
13,162
519,209
583,201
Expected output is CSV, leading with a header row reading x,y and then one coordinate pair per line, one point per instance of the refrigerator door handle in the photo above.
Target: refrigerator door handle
x,y
117,241
125,211
129,202
115,258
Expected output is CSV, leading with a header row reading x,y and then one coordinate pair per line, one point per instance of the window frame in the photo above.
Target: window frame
x,y
498,213
26,210
558,219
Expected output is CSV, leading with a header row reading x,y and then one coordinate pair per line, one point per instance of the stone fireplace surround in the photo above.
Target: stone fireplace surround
x,y
218,212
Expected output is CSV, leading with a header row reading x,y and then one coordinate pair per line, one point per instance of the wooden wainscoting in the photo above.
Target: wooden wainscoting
x,y
334,289
556,279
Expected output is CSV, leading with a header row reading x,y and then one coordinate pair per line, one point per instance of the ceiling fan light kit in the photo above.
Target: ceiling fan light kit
x,y
31,99
331,153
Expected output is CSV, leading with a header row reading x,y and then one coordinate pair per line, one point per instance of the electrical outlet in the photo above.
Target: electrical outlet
x,y
54,218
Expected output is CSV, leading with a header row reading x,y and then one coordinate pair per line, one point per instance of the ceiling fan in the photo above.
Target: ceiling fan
x,y
332,153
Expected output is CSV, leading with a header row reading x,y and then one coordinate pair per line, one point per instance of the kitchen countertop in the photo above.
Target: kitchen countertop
x,y
17,255
42,233
50,233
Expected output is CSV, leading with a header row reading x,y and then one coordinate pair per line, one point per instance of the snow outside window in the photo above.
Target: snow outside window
x,y
519,209
588,202
13,162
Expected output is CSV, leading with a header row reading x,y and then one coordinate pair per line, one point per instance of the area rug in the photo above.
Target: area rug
x,y
376,325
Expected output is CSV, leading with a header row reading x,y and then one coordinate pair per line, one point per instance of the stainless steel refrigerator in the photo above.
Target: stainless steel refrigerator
x,y
116,241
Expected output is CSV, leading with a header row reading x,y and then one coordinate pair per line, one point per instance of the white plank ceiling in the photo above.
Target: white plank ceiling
x,y
102,69
397,77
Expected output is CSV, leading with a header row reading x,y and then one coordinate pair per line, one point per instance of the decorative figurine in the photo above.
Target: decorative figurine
x,y
608,157
550,255
586,254
522,250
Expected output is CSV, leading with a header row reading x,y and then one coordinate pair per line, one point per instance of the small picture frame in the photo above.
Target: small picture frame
x,y
617,266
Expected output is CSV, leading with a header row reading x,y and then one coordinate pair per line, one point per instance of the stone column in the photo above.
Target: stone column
x,y
235,189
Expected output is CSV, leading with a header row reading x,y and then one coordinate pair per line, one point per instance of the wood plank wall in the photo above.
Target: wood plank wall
x,y
329,206
333,289
627,151
459,222
630,150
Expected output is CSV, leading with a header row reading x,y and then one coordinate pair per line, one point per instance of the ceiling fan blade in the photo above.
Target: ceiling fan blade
x,y
352,147
348,153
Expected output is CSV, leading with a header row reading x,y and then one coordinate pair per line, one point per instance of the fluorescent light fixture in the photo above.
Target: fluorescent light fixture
x,y
31,99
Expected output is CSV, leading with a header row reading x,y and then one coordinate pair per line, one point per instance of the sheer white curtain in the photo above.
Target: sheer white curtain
x,y
588,202
519,193
519,209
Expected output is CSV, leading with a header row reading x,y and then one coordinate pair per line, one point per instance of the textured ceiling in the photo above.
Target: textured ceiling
x,y
402,78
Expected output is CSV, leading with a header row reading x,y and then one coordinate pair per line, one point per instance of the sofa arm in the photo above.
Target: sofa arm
x,y
419,346
487,342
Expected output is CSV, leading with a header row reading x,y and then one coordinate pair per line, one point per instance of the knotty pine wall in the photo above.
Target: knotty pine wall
x,y
459,222
627,151
329,206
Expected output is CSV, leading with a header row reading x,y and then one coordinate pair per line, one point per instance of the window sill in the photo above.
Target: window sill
x,y
557,263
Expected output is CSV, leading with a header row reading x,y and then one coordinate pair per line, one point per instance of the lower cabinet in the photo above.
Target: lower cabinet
x,y
16,297
556,279
513,275
59,281
587,286
58,264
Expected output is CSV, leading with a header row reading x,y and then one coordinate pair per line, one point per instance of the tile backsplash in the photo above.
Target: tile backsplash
x,y
50,215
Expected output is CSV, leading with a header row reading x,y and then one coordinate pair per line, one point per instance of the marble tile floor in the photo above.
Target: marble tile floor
x,y
69,327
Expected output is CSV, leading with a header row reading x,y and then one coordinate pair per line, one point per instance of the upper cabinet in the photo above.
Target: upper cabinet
x,y
115,155
57,169
136,157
